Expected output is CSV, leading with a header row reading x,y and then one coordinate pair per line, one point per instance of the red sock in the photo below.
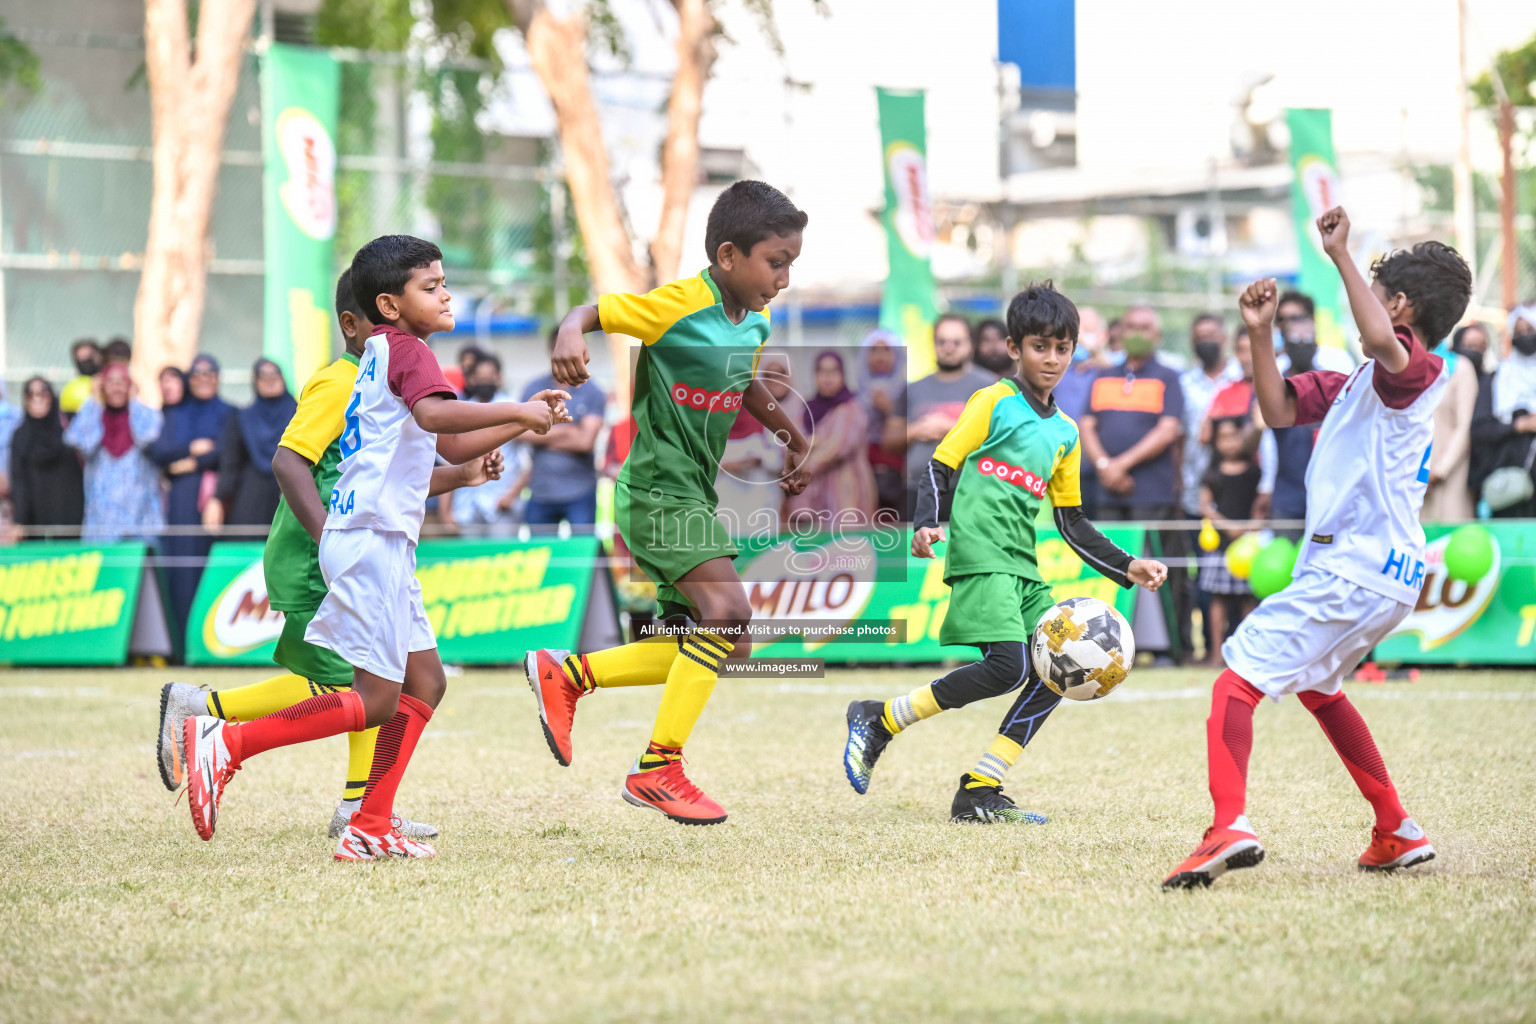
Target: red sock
x,y
1228,739
1349,735
391,754
312,719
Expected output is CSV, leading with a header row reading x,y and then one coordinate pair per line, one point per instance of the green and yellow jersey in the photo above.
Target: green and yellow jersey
x,y
291,561
692,372
1010,453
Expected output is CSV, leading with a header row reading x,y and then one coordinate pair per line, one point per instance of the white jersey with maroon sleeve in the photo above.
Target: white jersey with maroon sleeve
x,y
1369,470
386,458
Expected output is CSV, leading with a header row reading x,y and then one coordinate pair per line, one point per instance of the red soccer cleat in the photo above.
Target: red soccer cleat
x,y
355,844
557,694
1222,850
209,769
669,791
1400,849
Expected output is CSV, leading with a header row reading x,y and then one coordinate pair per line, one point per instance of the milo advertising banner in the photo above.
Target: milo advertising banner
x,y
1315,191
488,601
300,100
861,598
1490,622
68,604
908,304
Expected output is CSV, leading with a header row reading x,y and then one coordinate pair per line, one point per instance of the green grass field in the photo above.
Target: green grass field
x,y
552,900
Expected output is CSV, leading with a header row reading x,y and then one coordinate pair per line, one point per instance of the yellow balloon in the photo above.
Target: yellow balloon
x,y
1210,540
1240,555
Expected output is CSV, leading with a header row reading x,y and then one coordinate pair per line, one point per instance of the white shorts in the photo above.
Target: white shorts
x,y
1310,634
372,615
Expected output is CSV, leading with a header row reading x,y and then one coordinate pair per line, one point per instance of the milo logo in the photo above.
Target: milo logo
x,y
907,171
309,194
1013,475
699,398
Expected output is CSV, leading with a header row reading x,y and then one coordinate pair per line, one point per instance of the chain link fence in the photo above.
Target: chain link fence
x,y
76,183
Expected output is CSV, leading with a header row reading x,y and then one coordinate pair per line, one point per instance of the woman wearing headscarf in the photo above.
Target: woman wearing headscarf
x,y
188,452
1505,418
173,387
1448,498
114,432
247,492
838,427
47,488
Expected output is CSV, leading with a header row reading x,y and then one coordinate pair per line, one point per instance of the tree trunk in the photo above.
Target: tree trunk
x,y
558,51
680,151
189,109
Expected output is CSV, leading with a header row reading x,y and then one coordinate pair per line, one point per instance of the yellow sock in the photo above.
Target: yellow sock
x,y
994,764
643,663
901,712
245,703
359,762
690,681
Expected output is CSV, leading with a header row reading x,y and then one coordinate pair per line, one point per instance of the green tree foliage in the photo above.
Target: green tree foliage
x,y
19,66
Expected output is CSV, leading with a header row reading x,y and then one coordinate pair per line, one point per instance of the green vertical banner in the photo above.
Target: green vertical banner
x,y
1314,191
908,304
300,101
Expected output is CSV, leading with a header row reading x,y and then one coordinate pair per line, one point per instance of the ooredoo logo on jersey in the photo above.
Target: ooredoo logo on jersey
x,y
1013,475
702,399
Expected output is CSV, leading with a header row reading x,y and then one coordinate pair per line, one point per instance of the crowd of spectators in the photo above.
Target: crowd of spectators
x,y
1175,444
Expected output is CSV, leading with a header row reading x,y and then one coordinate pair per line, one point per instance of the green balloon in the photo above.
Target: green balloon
x,y
1272,568
1469,553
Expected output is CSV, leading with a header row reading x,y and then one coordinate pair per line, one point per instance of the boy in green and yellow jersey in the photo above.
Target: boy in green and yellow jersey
x,y
307,466
1011,449
702,338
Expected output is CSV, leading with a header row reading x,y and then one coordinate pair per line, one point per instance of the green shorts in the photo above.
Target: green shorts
x,y
991,606
668,536
305,659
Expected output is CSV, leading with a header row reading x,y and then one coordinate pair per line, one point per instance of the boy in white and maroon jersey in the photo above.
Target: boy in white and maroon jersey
x,y
400,417
1361,563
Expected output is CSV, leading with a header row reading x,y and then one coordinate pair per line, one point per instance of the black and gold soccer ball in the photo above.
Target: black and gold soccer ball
x,y
1083,648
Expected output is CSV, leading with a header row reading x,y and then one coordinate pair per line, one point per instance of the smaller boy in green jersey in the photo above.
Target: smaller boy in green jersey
x,y
307,466
1011,449
702,338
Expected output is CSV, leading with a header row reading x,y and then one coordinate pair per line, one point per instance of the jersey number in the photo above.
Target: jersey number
x,y
1424,466
351,436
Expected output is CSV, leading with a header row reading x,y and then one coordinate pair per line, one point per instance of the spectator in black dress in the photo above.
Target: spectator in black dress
x,y
47,485
188,452
1227,492
247,492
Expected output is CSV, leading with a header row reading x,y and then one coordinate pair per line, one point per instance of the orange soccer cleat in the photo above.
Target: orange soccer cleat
x,y
1222,850
1403,848
669,791
556,693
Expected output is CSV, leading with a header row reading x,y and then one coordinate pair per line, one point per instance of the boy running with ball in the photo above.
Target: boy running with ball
x,y
702,339
1011,449
1361,564
400,416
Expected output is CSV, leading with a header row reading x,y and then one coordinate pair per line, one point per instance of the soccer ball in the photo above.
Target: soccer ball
x,y
1082,648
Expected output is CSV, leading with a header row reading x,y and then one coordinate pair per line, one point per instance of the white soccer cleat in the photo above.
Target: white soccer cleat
x,y
178,702
408,828
356,844
209,768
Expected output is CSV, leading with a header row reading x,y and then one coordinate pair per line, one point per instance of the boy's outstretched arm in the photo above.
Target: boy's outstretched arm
x,y
1277,402
1378,338
508,420
569,360
472,474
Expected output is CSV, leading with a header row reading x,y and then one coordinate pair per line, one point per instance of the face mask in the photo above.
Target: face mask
x,y
1473,356
1279,340
1138,346
1209,353
1302,354
1080,354
1116,358
1525,344
481,392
